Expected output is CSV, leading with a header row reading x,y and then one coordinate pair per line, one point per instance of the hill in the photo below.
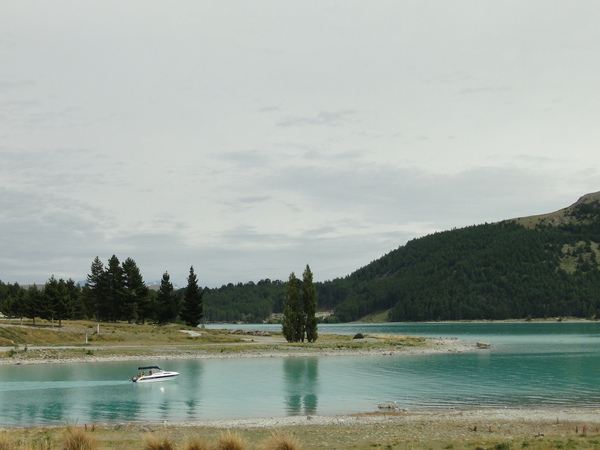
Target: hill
x,y
538,266
532,267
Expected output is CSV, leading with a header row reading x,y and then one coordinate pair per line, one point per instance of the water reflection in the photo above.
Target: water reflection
x,y
301,383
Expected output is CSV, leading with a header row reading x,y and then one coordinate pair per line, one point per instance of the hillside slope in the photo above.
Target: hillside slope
x,y
539,266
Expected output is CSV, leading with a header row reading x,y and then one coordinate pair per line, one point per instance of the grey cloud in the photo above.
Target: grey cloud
x,y
255,199
323,118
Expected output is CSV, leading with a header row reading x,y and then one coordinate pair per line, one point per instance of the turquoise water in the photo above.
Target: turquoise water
x,y
529,365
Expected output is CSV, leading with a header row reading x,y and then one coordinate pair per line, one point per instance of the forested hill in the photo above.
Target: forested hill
x,y
539,266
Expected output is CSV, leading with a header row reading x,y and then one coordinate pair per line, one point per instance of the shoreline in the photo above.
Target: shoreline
x,y
483,416
431,346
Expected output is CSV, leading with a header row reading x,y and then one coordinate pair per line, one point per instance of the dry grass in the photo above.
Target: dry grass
x,y
79,439
401,432
231,441
195,443
279,440
158,443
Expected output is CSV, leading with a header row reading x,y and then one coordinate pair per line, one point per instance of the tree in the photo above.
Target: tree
x,y
292,324
136,304
115,292
167,304
34,303
309,296
98,287
59,301
192,311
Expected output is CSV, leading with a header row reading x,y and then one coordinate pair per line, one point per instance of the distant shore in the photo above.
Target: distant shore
x,y
430,346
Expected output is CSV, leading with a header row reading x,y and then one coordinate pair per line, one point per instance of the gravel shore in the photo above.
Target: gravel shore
x,y
484,417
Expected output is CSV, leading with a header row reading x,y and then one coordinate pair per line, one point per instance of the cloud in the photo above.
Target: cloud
x,y
323,118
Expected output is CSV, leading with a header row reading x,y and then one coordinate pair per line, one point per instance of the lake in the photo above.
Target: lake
x,y
529,365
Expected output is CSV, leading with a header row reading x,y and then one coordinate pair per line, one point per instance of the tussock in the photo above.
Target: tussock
x,y
78,439
231,441
158,443
195,443
281,441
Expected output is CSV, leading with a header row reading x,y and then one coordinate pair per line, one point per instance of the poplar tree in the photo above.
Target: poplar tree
x,y
192,308
292,324
309,296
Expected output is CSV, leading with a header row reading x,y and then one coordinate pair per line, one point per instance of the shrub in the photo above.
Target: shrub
x,y
231,441
78,439
359,336
281,441
158,443
195,444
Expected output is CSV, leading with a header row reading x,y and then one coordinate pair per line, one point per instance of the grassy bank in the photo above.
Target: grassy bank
x,y
83,340
392,433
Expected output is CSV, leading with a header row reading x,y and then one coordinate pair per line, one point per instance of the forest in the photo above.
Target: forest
x,y
513,269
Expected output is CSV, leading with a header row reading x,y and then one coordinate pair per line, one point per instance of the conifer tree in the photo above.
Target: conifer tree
x,y
59,302
192,308
115,293
168,305
136,303
97,283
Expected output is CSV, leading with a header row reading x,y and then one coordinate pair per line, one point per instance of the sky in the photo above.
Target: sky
x,y
250,138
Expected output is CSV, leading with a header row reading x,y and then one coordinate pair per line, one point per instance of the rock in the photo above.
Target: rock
x,y
392,406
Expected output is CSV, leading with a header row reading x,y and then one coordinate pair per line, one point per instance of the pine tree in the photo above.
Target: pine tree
x,y
59,304
115,293
192,310
136,305
97,283
34,303
168,305
309,295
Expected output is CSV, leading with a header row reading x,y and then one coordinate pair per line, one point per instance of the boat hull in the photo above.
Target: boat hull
x,y
165,376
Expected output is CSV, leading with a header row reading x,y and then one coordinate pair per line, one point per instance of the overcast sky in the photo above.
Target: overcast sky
x,y
249,138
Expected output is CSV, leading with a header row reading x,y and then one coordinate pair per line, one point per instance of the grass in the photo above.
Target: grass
x,y
279,440
131,340
79,439
231,441
396,434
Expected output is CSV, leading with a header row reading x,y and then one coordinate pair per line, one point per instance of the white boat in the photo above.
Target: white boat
x,y
154,373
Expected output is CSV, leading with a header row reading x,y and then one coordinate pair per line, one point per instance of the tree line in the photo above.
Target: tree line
x,y
115,292
489,271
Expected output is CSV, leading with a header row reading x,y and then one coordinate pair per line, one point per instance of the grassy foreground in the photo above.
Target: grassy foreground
x,y
395,433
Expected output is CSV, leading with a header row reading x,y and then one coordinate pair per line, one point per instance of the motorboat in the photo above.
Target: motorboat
x,y
153,373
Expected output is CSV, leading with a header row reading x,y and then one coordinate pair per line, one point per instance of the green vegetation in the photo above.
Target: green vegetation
x,y
299,314
536,267
192,302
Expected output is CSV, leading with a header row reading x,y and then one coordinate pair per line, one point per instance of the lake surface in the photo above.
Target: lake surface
x,y
529,365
